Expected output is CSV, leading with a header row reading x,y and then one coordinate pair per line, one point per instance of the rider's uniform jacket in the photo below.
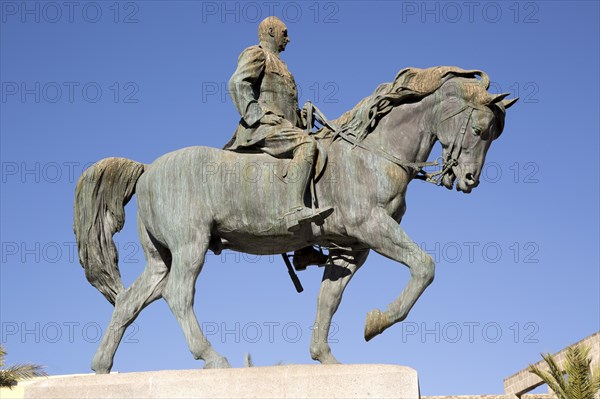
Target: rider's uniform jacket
x,y
260,85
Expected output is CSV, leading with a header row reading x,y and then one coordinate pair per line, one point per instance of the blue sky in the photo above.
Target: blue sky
x,y
517,260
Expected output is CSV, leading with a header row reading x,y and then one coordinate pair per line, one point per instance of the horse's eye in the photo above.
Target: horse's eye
x,y
477,130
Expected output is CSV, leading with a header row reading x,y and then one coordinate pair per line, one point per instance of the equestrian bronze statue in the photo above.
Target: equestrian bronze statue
x,y
341,188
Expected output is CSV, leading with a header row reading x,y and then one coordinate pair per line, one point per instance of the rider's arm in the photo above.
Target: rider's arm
x,y
250,68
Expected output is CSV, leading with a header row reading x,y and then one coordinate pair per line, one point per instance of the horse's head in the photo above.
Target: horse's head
x,y
458,111
468,119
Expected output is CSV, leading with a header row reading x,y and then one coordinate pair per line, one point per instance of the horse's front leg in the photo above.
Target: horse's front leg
x,y
335,278
383,234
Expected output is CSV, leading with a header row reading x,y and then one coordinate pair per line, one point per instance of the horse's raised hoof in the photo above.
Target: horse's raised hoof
x,y
375,324
218,363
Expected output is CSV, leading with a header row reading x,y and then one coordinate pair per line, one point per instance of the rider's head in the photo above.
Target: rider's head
x,y
273,34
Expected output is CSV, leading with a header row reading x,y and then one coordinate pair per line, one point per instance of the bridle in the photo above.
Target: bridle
x,y
446,164
453,152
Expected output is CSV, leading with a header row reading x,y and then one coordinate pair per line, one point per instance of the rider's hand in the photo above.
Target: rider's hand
x,y
271,119
303,115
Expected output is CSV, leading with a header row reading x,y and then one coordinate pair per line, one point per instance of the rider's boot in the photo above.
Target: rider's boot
x,y
299,214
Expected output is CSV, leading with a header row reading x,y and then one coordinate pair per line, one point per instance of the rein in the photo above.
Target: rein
x,y
434,177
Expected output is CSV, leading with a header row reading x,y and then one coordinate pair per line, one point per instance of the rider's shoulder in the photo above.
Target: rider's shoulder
x,y
254,52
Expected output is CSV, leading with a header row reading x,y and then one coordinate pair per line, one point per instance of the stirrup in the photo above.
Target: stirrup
x,y
299,216
309,256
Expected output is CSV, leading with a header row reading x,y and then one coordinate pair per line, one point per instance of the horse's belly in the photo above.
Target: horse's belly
x,y
272,245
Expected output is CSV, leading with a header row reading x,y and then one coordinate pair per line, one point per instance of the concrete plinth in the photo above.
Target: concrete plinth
x,y
290,381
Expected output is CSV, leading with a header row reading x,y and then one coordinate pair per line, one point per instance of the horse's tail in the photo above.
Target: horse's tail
x,y
101,194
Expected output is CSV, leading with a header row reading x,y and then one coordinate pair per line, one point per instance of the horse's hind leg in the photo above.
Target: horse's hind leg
x,y
335,279
130,302
188,260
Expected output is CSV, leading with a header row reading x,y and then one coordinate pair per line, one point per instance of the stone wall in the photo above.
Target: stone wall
x,y
522,382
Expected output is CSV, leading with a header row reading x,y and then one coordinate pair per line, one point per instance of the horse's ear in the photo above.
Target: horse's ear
x,y
498,97
508,103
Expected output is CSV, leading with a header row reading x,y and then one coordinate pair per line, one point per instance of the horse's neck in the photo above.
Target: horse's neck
x,y
405,132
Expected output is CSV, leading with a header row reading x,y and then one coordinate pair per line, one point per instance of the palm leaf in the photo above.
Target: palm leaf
x,y
577,367
2,354
19,372
24,371
550,379
579,383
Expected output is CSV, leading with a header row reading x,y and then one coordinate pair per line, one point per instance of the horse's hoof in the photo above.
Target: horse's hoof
x,y
218,363
102,371
329,359
324,357
99,368
375,324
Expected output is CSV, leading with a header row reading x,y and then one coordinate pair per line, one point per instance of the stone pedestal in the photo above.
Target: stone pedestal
x,y
289,381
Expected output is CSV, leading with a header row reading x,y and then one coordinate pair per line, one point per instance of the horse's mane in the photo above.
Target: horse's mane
x,y
411,84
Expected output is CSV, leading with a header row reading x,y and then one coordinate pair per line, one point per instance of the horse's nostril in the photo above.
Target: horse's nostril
x,y
469,177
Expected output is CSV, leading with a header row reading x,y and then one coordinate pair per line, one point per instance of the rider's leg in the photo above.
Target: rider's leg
x,y
300,170
293,142
303,161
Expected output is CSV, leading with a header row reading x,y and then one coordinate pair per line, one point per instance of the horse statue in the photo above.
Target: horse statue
x,y
199,198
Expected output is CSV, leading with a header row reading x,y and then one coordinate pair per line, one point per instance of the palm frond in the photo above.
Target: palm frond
x,y
580,382
550,380
595,383
579,374
2,354
13,374
21,372
6,381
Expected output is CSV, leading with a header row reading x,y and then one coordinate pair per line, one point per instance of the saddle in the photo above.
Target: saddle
x,y
323,135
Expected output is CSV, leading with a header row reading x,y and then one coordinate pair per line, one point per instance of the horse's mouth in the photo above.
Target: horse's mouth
x,y
461,185
465,185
